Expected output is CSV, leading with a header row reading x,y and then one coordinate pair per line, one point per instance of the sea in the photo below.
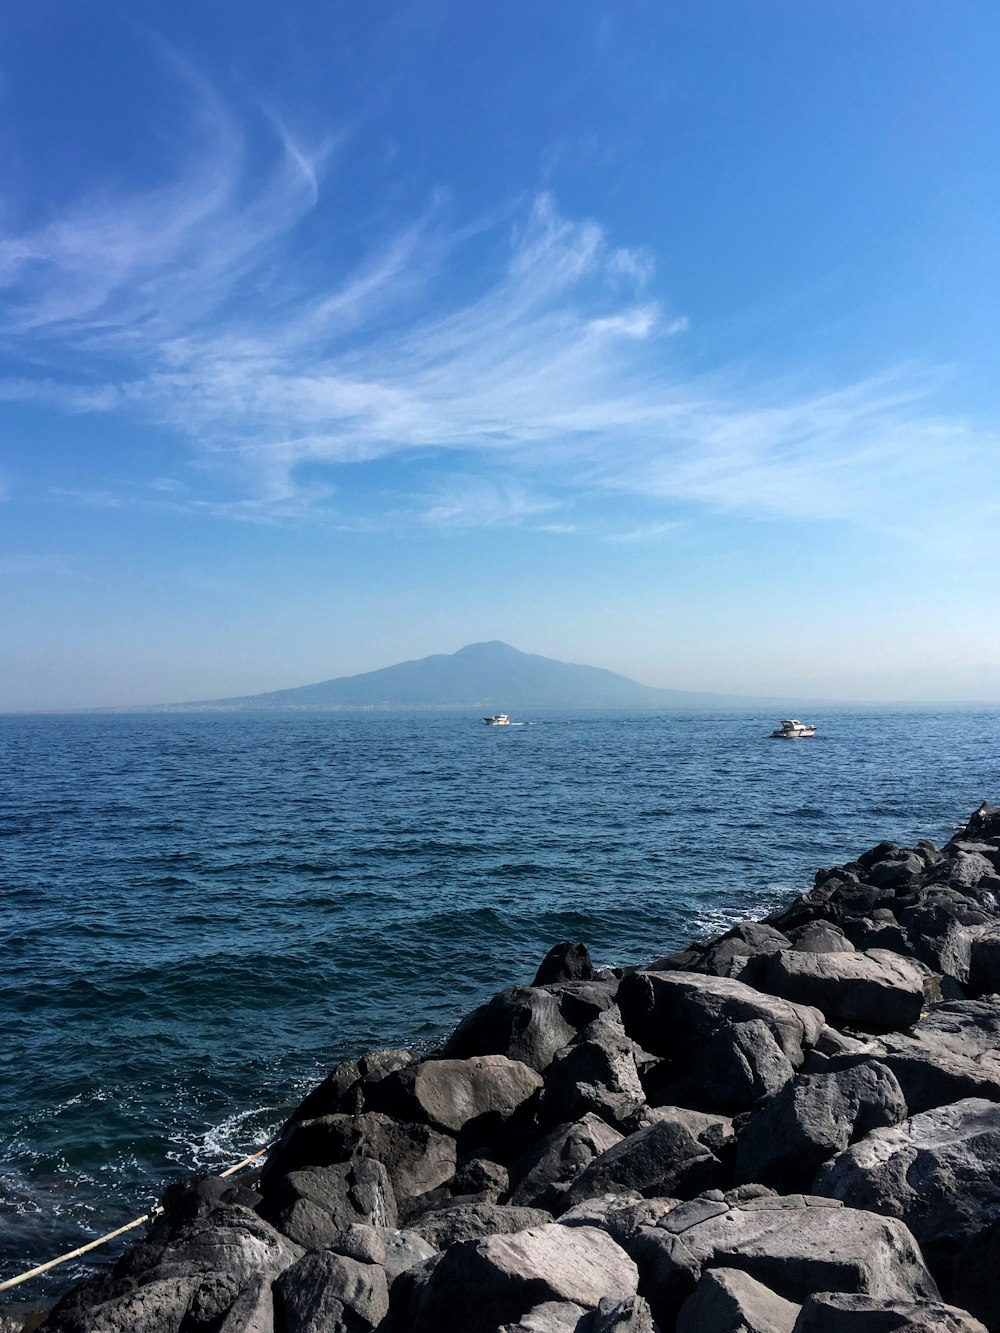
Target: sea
x,y
202,913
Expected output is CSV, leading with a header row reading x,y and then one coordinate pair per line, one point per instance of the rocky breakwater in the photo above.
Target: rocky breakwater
x,y
794,1126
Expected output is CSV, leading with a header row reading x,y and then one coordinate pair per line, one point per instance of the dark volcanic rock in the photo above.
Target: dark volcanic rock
x,y
328,1293
545,1172
564,962
477,1286
472,1098
342,1091
787,1140
742,1064
834,1313
939,1172
448,1226
523,1023
595,1073
313,1204
729,1301
394,1251
875,990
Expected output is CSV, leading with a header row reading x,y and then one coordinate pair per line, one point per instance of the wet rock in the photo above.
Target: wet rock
x,y
728,1301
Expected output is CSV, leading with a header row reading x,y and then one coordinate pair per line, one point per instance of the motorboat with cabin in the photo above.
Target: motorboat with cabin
x,y
792,729
497,720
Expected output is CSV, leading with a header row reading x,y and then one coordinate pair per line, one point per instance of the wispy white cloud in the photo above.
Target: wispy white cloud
x,y
556,377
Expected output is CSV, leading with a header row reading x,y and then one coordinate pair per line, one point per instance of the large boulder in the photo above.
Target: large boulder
x,y
417,1157
392,1250
342,1091
312,1205
478,1286
472,1098
742,1064
831,1312
596,1073
734,953
670,1158
787,1140
564,962
442,1227
874,990
794,1245
524,1023
939,1172
329,1293
674,1014
727,1300
952,1053
548,1169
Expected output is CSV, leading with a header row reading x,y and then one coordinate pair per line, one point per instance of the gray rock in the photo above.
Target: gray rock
x,y
793,1244
564,962
984,962
874,990
620,1215
595,1073
450,1226
549,1317
523,1023
966,869
631,1315
675,1014
939,1172
733,953
311,1206
831,1312
478,1286
474,1096
342,1091
729,1301
417,1157
743,1063
328,1293
821,937
252,1311
545,1173
392,1250
787,1140
664,1159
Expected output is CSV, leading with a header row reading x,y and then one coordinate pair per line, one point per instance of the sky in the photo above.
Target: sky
x,y
660,336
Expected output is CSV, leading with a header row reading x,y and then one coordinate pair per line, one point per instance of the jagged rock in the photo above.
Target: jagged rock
x,y
821,937
417,1157
793,1244
477,1286
966,869
939,1172
666,1159
984,962
312,1205
620,1215
743,1063
873,990
328,1293
545,1173
473,1098
595,1073
253,1309
549,1317
787,1140
449,1226
394,1251
729,1301
564,962
580,1002
950,1054
831,1312
984,823
674,1014
342,1091
631,1315
523,1023
939,940
733,954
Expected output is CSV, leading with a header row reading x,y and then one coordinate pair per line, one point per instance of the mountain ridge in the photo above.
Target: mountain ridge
x,y
491,675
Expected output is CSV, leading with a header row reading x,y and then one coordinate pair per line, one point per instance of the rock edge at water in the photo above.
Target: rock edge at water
x,y
793,1126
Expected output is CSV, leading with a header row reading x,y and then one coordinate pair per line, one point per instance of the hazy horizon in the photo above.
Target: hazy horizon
x,y
654,338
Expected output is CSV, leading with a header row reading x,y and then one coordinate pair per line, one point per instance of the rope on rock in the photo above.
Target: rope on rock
x,y
129,1226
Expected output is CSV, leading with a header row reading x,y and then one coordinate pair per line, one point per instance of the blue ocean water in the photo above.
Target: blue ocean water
x,y
201,913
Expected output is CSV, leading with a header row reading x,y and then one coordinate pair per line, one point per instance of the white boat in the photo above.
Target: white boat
x,y
792,729
497,720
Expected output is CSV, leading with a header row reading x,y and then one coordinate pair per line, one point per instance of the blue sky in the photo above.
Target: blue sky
x,y
661,336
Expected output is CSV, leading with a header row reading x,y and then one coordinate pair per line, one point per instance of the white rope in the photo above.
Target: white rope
x,y
129,1226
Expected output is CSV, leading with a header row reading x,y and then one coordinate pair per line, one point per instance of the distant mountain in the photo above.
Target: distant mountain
x,y
492,676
